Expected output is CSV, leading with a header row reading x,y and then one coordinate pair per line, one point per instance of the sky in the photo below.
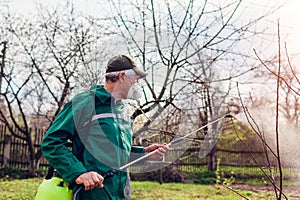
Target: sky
x,y
288,15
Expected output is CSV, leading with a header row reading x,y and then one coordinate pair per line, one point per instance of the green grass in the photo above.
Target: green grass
x,y
13,188
239,175
25,190
179,191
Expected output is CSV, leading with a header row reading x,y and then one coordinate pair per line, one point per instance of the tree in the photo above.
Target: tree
x,y
185,45
43,60
286,84
2,64
289,90
185,53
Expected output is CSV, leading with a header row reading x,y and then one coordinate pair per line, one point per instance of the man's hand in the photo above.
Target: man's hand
x,y
90,180
162,149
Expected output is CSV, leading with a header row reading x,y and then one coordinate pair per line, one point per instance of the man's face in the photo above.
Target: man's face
x,y
133,79
125,83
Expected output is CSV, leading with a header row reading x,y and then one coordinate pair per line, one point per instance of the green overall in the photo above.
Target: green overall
x,y
98,144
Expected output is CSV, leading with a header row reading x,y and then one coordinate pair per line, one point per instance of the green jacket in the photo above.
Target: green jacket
x,y
97,144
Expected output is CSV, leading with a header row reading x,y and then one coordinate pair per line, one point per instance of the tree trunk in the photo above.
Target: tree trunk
x,y
212,159
2,63
32,160
6,151
32,168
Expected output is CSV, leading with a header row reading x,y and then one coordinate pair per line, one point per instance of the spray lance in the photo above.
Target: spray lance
x,y
114,171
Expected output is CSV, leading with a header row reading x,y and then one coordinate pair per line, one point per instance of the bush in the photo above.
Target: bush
x,y
167,174
8,173
11,173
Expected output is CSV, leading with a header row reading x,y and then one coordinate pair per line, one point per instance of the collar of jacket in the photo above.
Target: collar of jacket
x,y
105,97
100,93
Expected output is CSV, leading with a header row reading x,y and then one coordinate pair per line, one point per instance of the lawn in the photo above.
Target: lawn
x,y
25,189
249,182
179,191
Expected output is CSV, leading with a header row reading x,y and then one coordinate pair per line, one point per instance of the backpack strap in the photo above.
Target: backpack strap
x,y
50,173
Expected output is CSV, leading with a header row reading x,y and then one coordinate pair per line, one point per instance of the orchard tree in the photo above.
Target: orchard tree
x,y
43,59
279,151
189,49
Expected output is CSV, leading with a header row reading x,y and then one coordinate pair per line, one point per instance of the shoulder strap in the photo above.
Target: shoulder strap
x,y
50,172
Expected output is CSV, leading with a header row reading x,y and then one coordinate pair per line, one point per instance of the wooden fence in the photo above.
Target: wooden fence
x,y
14,154
14,151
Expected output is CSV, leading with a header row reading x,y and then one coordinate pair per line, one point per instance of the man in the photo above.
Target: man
x,y
100,132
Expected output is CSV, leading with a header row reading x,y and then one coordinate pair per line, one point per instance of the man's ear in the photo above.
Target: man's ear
x,y
121,76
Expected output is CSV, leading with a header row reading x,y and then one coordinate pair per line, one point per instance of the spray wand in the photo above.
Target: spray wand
x,y
112,172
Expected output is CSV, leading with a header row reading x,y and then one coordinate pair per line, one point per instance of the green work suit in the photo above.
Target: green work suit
x,y
100,144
